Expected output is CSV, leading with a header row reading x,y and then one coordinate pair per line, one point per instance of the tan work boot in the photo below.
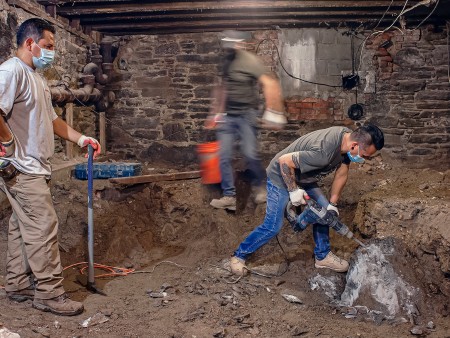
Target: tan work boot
x,y
333,262
260,194
21,295
226,202
61,305
237,266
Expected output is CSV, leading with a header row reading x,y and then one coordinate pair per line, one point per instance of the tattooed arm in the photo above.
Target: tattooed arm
x,y
288,162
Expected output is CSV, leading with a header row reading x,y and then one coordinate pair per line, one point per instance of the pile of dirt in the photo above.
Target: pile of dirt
x,y
168,231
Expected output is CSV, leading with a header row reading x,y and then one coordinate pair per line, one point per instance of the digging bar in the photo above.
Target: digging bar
x,y
91,279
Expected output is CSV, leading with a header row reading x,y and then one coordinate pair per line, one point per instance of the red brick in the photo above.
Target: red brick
x,y
322,104
304,105
310,99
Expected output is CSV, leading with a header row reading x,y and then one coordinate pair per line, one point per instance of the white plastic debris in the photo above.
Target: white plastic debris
x,y
5,333
98,318
291,298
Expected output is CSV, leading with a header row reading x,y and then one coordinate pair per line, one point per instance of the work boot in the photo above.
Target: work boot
x,y
226,202
21,295
260,194
333,262
61,305
237,266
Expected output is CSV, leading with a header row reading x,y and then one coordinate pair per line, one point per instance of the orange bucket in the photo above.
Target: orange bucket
x,y
209,162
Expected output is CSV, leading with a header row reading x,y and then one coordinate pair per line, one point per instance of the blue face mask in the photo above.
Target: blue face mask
x,y
46,58
356,158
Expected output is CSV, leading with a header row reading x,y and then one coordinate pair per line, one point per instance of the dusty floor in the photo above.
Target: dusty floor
x,y
168,232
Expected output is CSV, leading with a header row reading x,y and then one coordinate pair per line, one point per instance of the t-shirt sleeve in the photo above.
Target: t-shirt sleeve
x,y
8,86
254,66
312,160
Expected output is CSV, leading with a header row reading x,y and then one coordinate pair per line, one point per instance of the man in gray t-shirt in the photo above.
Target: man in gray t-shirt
x,y
293,175
28,123
237,105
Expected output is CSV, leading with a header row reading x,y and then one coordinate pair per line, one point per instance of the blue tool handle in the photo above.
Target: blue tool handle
x,y
90,214
90,174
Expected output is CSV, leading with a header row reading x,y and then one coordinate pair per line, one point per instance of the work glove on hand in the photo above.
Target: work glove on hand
x,y
298,197
212,121
84,141
7,148
331,207
273,119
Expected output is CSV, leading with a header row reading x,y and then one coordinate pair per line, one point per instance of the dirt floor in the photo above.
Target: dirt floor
x,y
179,246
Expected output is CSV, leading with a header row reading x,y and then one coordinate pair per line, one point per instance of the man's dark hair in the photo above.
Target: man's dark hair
x,y
369,134
33,28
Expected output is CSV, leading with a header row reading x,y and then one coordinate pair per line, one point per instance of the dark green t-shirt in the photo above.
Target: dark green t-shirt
x,y
241,82
320,154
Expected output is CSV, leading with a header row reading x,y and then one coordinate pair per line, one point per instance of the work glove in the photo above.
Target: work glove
x,y
273,119
334,208
84,141
7,149
298,196
212,121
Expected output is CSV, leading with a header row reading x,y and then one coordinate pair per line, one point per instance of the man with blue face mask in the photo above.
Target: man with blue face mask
x,y
293,174
28,123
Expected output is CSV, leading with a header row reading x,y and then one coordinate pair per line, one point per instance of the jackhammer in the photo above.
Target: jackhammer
x,y
314,213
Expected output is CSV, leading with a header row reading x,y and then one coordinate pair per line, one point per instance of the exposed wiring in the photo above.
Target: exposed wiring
x,y
387,10
426,18
289,74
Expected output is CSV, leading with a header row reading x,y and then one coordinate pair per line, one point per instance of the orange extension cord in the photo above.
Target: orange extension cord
x,y
114,271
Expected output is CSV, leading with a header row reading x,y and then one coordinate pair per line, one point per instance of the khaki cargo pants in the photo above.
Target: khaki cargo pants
x,y
32,237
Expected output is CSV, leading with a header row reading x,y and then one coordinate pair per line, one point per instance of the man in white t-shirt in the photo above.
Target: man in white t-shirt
x,y
28,123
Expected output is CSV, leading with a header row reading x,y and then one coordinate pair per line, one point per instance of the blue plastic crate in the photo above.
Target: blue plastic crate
x,y
108,170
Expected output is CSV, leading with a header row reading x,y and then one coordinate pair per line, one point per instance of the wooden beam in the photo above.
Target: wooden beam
x,y
36,10
96,7
69,121
186,175
102,128
205,25
138,18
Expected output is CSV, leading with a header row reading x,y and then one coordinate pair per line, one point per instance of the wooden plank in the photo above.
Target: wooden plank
x,y
186,175
69,121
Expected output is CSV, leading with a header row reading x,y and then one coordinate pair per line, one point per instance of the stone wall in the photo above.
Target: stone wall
x,y
163,84
412,100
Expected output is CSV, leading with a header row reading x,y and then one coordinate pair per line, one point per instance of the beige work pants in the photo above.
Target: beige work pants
x,y
32,237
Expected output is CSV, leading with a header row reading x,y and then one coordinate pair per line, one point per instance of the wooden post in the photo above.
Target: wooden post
x,y
102,127
69,121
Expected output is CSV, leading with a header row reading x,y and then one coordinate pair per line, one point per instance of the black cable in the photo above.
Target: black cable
x,y
289,74
285,257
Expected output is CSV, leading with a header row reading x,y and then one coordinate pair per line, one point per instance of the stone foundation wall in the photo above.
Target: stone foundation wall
x,y
164,83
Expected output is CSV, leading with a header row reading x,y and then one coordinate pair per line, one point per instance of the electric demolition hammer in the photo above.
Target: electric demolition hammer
x,y
314,213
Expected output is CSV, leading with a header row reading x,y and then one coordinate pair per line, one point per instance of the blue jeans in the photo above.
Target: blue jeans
x,y
244,128
277,200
